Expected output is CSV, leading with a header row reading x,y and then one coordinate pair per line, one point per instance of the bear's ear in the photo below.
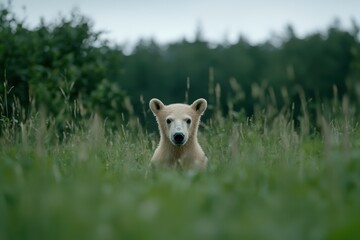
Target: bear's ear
x,y
199,106
156,105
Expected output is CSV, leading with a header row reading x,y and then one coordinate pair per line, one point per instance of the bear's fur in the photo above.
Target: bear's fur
x,y
178,126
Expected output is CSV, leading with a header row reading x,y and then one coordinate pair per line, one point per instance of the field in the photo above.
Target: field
x,y
268,178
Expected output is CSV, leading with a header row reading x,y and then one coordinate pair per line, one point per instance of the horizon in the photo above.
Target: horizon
x,y
125,23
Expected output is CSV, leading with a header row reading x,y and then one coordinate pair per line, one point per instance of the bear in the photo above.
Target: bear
x,y
178,126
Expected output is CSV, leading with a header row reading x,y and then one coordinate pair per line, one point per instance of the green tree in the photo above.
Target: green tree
x,y
58,65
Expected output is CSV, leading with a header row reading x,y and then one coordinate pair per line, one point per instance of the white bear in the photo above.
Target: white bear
x,y
178,126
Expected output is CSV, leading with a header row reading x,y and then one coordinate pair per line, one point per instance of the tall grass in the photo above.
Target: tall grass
x,y
268,178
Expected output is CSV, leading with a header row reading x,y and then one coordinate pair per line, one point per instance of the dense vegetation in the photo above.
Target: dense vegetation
x,y
281,133
67,60
264,181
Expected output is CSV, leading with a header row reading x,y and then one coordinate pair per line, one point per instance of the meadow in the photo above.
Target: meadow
x,y
270,176
281,133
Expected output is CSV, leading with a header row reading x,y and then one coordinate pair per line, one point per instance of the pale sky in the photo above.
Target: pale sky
x,y
125,21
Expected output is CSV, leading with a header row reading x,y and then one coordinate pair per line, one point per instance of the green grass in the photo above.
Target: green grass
x,y
265,180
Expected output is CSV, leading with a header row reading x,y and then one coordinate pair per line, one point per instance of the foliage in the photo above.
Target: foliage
x,y
59,61
67,60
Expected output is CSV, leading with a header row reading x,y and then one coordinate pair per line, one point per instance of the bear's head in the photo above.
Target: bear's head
x,y
178,123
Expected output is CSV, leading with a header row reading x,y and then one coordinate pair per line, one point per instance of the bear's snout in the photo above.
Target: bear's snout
x,y
178,138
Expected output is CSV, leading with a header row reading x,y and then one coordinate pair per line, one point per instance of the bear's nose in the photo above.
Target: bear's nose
x,y
179,138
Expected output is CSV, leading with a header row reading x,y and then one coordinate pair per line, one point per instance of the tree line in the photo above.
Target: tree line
x,y
66,67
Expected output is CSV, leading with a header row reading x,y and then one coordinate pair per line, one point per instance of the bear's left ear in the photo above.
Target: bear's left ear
x,y
199,106
156,105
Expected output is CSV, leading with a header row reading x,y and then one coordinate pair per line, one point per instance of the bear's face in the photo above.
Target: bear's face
x,y
177,125
178,122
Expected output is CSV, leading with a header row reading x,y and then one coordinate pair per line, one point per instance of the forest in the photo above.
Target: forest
x,y
63,63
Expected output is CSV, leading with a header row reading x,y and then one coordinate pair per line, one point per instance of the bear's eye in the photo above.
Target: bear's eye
x,y
168,121
188,120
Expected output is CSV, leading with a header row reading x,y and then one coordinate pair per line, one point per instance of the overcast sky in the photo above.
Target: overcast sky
x,y
169,20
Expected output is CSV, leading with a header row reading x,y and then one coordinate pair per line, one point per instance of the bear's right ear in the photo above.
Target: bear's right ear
x,y
156,105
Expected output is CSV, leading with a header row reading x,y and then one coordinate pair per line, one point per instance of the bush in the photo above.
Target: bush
x,y
58,66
